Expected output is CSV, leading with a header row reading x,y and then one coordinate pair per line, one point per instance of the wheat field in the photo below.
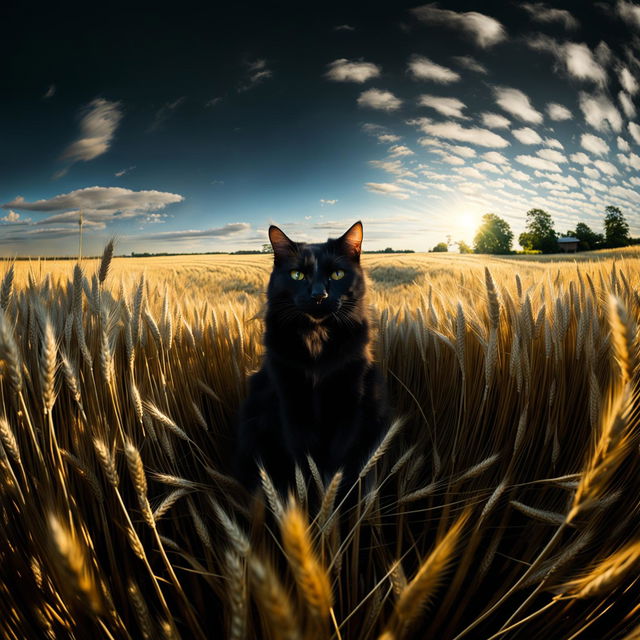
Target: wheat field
x,y
503,503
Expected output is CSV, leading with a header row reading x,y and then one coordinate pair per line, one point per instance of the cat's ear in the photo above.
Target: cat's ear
x,y
282,245
351,240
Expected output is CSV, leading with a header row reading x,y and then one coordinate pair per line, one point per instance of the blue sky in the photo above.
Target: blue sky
x,y
194,132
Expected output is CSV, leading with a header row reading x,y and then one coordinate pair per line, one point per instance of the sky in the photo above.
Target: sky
x,y
194,130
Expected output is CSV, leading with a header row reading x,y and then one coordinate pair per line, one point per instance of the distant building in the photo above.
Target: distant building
x,y
568,244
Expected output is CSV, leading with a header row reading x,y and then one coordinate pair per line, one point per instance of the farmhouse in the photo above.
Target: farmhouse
x,y
568,244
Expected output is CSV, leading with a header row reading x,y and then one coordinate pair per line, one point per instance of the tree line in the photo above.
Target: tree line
x,y
495,236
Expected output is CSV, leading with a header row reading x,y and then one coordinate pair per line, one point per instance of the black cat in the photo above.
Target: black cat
x,y
318,391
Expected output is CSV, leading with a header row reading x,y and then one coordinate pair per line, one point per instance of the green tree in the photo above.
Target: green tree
x,y
493,236
616,228
540,234
441,247
589,239
463,247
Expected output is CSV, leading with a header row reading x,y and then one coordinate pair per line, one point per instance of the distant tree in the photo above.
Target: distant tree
x,y
540,234
267,248
493,236
388,250
616,228
589,239
463,247
441,247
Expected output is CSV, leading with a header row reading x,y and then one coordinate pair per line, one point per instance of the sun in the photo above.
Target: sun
x,y
466,222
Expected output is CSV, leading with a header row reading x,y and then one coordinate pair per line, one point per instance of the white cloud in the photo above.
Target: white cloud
x,y
538,163
12,216
399,150
558,112
97,204
229,229
387,189
343,70
450,107
517,103
628,81
388,137
465,152
635,181
495,157
626,194
122,172
488,166
329,202
559,178
591,172
520,175
390,166
600,113
598,186
540,12
257,72
607,167
634,130
470,172
473,135
484,30
629,12
552,185
422,68
527,136
623,145
495,120
632,161
594,144
552,142
550,154
580,158
377,99
581,63
627,104
98,125
470,63
454,160
577,59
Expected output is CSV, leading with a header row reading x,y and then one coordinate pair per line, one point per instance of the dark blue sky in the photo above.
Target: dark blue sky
x,y
194,130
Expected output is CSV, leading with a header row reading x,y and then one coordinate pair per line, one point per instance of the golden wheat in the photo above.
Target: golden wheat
x,y
515,380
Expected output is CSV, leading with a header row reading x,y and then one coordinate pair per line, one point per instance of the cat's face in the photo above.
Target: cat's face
x,y
317,280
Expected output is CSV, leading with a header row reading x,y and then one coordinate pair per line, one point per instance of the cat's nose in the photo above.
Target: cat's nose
x,y
319,294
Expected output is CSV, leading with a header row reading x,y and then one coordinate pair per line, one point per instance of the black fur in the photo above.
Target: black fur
x,y
317,392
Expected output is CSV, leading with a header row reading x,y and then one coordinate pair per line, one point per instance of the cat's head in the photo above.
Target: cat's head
x,y
317,279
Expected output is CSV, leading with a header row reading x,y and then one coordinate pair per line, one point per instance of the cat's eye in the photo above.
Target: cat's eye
x,y
296,275
337,275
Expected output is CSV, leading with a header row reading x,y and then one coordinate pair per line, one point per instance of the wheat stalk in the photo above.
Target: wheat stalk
x,y
311,578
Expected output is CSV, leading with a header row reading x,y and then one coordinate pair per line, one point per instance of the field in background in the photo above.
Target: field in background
x,y
504,505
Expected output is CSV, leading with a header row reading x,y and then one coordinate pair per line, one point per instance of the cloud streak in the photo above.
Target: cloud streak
x,y
517,103
343,70
378,99
422,68
229,229
98,204
98,124
540,12
484,30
